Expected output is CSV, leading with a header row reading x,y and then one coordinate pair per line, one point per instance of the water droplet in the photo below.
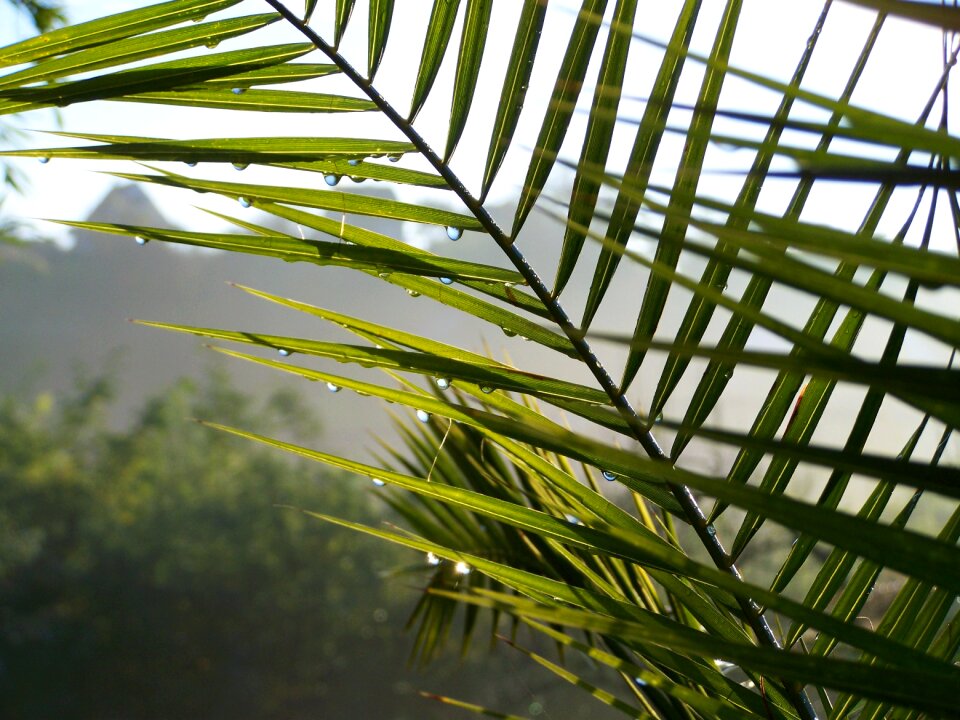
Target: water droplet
x,y
508,332
608,475
283,352
486,389
378,482
443,383
711,530
572,519
212,43
454,233
658,418
240,166
423,416
394,158
333,388
331,179
432,560
44,160
191,163
446,280
353,162
244,202
413,293
141,240
358,179
238,91
639,682
461,568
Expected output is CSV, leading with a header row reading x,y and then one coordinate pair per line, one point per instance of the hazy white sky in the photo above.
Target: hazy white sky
x,y
900,77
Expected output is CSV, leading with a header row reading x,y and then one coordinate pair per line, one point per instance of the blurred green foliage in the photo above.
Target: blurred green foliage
x,y
149,573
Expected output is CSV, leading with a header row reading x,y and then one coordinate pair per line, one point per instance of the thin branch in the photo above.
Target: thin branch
x,y
688,503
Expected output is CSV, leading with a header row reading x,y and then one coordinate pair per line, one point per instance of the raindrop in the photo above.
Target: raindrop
x,y
378,482
283,352
486,389
212,43
413,293
333,388
658,418
331,179
508,332
141,240
394,158
461,568
711,530
244,202
432,560
639,682
353,162
608,476
240,166
238,91
572,519
454,233
446,280
191,163
443,383
423,416
44,160
358,179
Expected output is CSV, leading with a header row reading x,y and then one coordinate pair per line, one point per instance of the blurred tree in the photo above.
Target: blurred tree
x,y
148,573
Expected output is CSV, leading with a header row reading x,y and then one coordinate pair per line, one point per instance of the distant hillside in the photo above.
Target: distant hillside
x,y
70,309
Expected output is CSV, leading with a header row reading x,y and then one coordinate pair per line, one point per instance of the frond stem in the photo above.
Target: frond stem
x,y
688,503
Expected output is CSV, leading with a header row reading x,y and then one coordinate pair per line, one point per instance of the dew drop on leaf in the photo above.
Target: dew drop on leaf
x,y
331,179
333,388
283,352
432,560
461,568
141,241
443,383
244,202
454,233
446,280
608,476
423,416
238,91
378,482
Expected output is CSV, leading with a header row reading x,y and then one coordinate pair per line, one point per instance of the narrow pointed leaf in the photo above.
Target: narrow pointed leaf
x,y
137,48
563,102
596,146
321,253
473,40
114,27
439,30
484,375
344,9
322,199
378,30
515,85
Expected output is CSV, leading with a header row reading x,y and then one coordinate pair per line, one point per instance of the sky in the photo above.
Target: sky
x,y
898,80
